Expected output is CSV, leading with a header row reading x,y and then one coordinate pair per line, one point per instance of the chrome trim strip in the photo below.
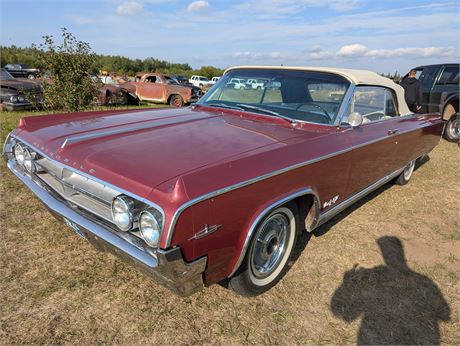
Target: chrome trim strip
x,y
90,177
158,123
215,193
324,217
307,191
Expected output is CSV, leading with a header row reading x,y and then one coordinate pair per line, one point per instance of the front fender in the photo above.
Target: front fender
x,y
261,212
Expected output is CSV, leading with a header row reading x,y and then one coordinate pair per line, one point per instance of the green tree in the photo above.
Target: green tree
x,y
69,86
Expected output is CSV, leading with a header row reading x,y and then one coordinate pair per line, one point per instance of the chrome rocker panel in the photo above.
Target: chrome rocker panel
x,y
165,266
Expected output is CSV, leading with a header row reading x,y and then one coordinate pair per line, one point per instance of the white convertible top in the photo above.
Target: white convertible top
x,y
357,77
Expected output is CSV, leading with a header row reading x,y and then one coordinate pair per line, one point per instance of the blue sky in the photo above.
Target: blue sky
x,y
383,36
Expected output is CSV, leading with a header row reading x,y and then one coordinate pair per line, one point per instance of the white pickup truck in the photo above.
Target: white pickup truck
x,y
255,83
200,81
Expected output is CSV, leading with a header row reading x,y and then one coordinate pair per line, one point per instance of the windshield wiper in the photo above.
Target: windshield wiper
x,y
267,111
223,105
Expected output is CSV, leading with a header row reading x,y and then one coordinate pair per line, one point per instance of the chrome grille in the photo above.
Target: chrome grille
x,y
76,188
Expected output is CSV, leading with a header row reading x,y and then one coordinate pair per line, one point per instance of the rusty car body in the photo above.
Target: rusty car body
x,y
222,189
162,88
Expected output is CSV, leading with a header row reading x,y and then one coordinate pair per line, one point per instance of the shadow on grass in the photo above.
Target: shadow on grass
x,y
397,305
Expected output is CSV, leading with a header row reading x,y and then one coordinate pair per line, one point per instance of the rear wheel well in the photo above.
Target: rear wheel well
x,y
308,208
450,109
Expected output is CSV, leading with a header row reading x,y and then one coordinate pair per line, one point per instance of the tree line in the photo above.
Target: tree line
x,y
111,63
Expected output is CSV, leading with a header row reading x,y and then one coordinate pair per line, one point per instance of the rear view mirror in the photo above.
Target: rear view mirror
x,y
355,119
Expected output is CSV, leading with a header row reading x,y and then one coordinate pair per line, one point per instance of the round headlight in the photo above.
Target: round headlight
x,y
122,214
29,160
19,154
14,99
149,225
21,99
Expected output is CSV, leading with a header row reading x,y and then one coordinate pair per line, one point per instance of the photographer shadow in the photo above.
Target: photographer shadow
x,y
397,304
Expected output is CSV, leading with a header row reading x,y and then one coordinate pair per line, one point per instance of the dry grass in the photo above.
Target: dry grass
x,y
55,288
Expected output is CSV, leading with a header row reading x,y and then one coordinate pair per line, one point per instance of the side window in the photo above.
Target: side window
x,y
373,103
428,75
449,75
151,79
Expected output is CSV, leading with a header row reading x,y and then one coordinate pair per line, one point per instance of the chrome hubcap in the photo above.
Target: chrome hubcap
x,y
270,245
409,169
453,127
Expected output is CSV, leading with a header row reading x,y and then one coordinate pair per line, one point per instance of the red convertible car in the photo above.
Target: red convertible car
x,y
222,189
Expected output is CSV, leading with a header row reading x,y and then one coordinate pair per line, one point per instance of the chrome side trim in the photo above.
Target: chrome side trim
x,y
324,217
158,123
90,177
244,183
167,267
304,192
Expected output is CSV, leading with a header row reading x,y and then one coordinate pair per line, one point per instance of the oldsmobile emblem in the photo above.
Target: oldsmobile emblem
x,y
205,231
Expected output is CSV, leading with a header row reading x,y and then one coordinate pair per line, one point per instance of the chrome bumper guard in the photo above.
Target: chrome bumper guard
x,y
165,266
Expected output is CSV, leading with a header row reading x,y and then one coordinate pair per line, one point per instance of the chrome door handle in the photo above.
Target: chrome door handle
x,y
392,132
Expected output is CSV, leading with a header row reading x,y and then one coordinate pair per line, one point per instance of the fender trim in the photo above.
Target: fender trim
x,y
303,192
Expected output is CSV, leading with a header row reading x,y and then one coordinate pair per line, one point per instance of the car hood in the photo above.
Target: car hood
x,y
140,150
19,85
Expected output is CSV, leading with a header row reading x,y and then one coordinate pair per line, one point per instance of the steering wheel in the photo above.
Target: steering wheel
x,y
325,115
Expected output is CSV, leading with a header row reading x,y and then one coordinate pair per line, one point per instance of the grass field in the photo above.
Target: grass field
x,y
55,288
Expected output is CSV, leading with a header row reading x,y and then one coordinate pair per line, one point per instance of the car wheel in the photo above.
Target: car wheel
x,y
452,129
404,177
176,101
267,257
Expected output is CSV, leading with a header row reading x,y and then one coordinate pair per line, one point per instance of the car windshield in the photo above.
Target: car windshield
x,y
204,79
293,94
171,80
5,75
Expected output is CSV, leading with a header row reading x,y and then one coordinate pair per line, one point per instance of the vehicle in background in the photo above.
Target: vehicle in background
x,y
214,79
161,88
255,84
182,80
113,94
222,190
200,81
22,71
440,87
18,94
236,83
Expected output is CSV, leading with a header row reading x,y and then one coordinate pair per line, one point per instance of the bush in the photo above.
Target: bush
x,y
67,84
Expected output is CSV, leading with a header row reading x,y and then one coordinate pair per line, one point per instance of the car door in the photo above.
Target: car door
x,y
151,89
427,76
374,143
447,80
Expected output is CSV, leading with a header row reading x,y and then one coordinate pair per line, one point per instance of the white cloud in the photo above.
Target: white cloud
x,y
352,50
358,50
258,56
279,8
198,6
129,8
426,52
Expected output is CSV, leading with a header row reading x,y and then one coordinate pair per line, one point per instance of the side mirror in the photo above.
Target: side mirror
x,y
355,119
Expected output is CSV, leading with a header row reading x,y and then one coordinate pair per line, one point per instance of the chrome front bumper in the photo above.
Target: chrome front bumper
x,y
165,266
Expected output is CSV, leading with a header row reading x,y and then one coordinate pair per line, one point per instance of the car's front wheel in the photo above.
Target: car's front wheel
x,y
268,254
405,176
452,129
